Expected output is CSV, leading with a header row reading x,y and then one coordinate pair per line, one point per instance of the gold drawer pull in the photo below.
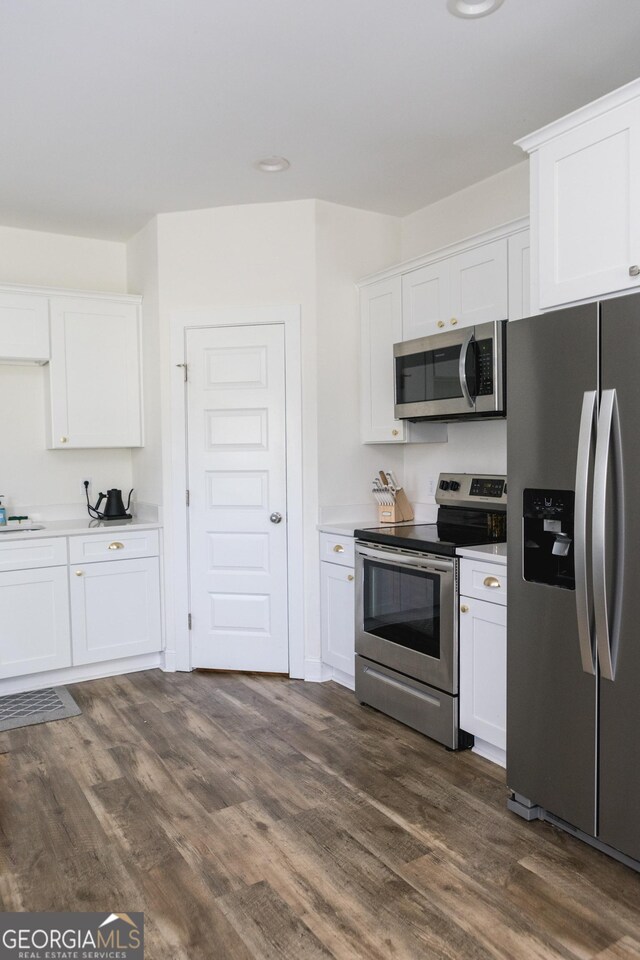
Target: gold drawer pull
x,y
491,582
116,545
79,573
350,577
64,439
441,323
338,548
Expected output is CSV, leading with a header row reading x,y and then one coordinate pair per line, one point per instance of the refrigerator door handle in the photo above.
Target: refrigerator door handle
x,y
583,607
462,367
609,437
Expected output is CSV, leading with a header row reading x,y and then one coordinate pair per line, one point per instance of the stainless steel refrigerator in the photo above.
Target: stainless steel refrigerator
x,y
573,664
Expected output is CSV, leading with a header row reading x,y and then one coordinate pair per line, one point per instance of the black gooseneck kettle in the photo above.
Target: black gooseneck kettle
x,y
114,508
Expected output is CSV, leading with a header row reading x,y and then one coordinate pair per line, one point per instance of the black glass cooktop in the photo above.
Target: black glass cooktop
x,y
428,537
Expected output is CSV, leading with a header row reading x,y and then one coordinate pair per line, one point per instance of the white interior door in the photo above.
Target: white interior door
x,y
236,437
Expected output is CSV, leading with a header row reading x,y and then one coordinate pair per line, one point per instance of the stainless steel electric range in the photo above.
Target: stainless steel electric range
x,y
407,605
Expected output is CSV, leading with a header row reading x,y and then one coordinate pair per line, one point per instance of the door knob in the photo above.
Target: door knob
x,y
79,573
464,608
275,517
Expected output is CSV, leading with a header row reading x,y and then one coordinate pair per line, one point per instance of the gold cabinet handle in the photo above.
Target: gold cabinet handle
x,y
116,545
394,433
79,573
464,608
64,439
338,548
350,577
491,582
441,324
453,321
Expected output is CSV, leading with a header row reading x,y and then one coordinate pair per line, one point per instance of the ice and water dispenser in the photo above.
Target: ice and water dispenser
x,y
548,555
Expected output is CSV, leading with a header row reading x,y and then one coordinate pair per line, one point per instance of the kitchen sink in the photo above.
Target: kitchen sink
x,y
21,527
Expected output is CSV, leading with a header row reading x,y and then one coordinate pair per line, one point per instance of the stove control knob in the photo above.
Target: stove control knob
x,y
444,484
454,485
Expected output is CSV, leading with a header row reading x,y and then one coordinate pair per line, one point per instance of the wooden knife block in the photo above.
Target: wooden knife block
x,y
398,511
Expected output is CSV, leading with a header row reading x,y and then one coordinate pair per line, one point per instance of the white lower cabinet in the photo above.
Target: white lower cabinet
x,y
54,616
115,609
483,657
34,621
337,598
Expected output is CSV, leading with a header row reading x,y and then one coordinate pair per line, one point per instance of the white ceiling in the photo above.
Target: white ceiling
x,y
113,110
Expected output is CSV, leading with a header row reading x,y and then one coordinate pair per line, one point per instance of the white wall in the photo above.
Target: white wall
x,y
349,245
142,275
258,254
483,205
479,447
30,474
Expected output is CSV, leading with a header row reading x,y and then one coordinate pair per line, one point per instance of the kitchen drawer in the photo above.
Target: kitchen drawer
x,y
484,581
335,549
118,545
28,554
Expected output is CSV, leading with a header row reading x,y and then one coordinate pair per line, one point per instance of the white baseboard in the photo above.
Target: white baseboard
x,y
490,752
315,671
169,661
344,679
89,671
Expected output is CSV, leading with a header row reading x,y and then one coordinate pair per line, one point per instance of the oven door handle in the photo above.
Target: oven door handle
x,y
435,566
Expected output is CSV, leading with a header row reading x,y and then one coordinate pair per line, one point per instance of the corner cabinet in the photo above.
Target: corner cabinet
x,y
76,601
482,279
94,374
585,200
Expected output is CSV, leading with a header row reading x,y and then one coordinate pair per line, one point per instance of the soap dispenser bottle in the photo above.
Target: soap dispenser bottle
x,y
3,512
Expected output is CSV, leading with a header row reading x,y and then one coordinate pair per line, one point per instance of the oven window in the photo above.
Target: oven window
x,y
403,606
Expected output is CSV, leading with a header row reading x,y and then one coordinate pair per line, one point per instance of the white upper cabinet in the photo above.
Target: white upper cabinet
x,y
585,200
479,285
94,373
477,281
426,300
458,291
24,327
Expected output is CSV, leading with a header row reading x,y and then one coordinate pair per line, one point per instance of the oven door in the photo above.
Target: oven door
x,y
406,614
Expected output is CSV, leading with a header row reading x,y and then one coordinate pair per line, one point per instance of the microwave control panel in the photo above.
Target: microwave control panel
x,y
484,355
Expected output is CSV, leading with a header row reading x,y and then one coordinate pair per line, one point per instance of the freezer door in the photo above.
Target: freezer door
x,y
619,817
551,699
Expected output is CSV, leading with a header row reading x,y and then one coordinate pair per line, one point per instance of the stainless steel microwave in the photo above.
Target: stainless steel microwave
x,y
458,375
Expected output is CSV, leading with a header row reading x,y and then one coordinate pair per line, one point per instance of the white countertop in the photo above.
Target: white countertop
x,y
71,528
347,529
491,552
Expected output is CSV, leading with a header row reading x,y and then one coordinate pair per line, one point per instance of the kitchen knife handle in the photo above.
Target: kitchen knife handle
x,y
607,629
583,606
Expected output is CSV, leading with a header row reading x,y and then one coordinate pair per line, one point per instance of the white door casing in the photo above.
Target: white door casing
x,y
237,481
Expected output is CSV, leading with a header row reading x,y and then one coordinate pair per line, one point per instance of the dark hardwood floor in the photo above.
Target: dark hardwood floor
x,y
256,817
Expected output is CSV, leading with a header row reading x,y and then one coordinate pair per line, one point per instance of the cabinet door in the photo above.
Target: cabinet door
x,y
338,616
381,326
24,327
94,374
483,670
426,300
479,291
519,276
34,621
589,208
115,609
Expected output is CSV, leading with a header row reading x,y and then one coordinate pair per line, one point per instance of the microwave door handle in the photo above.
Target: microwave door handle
x,y
462,368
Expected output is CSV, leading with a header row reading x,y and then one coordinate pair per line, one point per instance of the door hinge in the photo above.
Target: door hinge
x,y
189,621
188,497
185,370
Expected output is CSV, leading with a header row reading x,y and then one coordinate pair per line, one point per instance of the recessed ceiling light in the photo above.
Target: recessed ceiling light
x,y
467,9
273,164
